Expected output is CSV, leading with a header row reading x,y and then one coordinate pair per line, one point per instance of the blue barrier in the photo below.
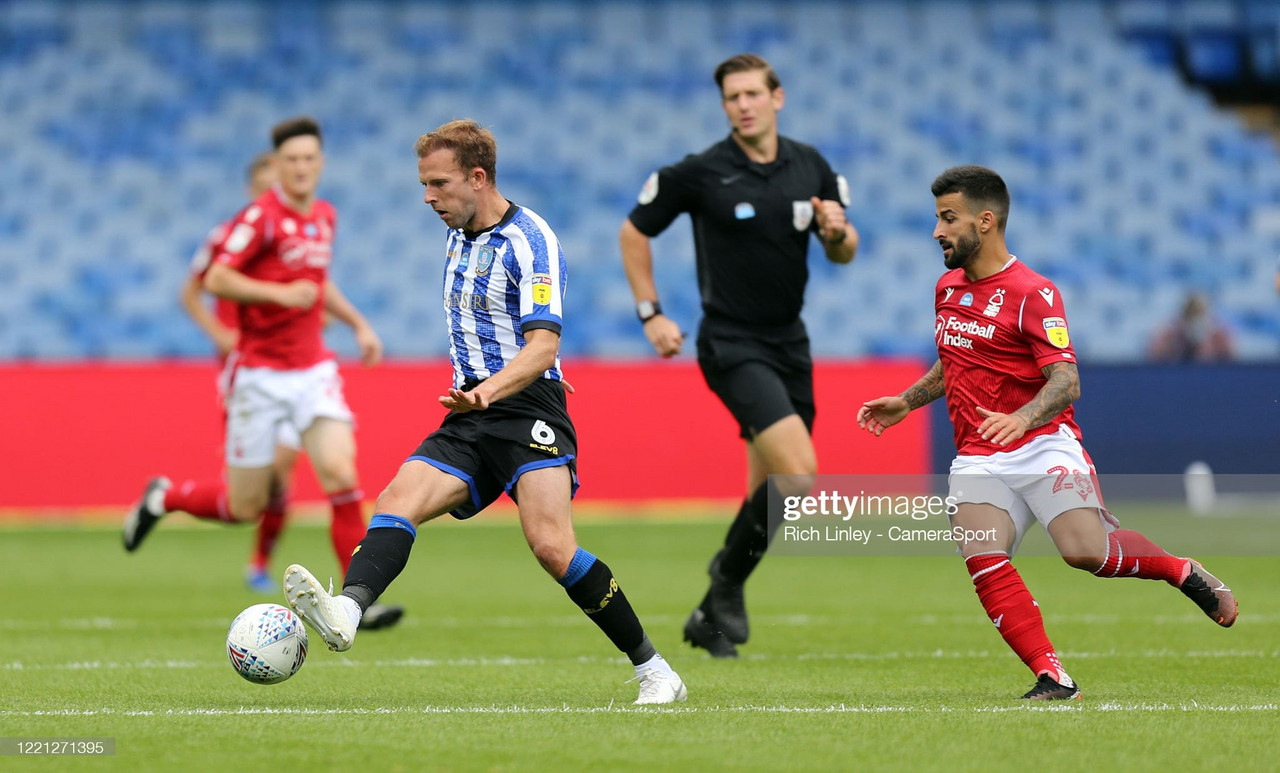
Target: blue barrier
x,y
1160,418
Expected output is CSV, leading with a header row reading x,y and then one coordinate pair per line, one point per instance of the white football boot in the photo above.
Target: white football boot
x,y
318,608
659,685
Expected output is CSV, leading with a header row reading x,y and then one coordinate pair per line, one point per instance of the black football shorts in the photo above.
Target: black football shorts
x,y
760,377
489,450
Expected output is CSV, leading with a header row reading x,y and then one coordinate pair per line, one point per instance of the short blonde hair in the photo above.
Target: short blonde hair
x,y
472,145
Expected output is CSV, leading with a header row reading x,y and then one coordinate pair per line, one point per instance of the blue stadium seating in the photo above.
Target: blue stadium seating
x,y
128,124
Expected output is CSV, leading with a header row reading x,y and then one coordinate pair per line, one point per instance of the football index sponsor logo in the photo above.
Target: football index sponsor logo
x,y
951,331
966,299
296,251
744,211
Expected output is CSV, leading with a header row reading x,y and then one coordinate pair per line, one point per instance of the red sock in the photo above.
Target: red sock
x,y
269,527
203,499
1129,554
1013,610
347,527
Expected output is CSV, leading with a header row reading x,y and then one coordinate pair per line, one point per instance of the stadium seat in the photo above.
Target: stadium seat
x,y
597,97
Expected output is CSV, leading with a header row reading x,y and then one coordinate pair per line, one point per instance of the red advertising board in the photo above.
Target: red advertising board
x,y
91,434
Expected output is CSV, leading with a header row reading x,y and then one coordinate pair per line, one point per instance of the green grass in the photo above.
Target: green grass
x,y
878,663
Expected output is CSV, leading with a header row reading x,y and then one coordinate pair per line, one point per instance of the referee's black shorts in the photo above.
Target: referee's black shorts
x,y
760,374
489,450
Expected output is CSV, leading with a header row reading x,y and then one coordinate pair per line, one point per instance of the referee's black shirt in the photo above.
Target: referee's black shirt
x,y
751,225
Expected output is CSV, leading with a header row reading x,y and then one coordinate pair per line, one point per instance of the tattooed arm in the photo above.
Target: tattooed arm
x,y
927,389
875,416
1061,388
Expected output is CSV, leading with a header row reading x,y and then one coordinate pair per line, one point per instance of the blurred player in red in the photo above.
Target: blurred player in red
x,y
221,324
274,263
1008,372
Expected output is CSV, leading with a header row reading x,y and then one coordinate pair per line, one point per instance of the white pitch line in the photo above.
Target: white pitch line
x,y
763,621
508,661
244,711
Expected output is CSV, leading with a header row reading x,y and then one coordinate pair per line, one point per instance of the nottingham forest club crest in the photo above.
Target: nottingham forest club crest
x,y
484,258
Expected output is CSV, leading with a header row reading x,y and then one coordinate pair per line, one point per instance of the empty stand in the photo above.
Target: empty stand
x,y
127,127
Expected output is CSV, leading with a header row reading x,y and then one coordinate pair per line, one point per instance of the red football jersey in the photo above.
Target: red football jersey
x,y
272,242
225,310
994,335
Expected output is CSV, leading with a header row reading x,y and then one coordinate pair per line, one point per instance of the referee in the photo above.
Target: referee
x,y
754,198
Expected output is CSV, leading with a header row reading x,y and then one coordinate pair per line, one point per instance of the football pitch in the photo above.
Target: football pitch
x,y
881,663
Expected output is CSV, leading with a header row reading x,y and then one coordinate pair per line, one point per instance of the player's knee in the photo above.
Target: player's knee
x,y
337,476
391,500
1088,563
553,555
974,547
246,509
796,484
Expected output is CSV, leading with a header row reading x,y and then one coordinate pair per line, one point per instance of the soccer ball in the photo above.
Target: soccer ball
x,y
267,643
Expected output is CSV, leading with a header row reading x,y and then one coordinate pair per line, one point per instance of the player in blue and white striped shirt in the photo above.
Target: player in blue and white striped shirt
x,y
508,428
498,284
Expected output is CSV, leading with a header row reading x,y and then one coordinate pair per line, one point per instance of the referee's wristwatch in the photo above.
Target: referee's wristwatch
x,y
647,310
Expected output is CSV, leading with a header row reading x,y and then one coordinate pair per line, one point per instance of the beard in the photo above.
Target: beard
x,y
963,250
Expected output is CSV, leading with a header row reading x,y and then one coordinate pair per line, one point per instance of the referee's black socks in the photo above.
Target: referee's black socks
x,y
748,537
379,558
590,585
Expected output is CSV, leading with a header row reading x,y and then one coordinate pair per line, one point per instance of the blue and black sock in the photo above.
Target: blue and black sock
x,y
379,558
590,584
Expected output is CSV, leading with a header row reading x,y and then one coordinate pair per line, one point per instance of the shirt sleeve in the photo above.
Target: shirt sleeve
x,y
665,195
1043,322
541,274
246,235
831,187
834,187
204,253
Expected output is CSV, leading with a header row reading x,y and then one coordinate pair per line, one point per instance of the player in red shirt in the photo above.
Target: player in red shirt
x,y
1008,371
221,325
274,263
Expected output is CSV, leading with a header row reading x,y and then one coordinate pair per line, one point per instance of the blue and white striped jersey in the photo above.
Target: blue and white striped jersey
x,y
497,284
